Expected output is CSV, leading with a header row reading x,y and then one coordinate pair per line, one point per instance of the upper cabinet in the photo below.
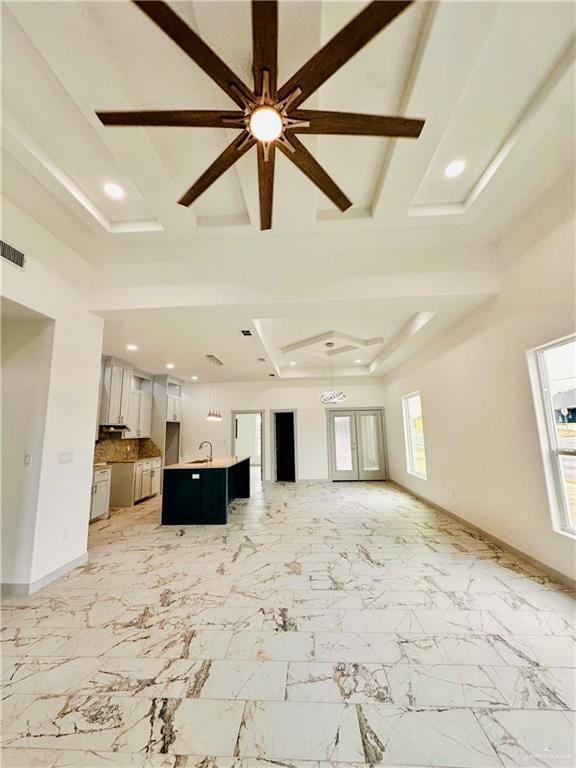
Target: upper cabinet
x,y
140,408
174,402
116,383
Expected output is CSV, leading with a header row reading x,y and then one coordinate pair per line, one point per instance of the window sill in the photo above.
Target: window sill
x,y
417,474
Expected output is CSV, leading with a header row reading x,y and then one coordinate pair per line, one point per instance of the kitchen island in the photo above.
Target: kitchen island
x,y
200,492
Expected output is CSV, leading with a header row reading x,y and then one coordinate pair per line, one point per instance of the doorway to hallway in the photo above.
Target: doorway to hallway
x,y
248,439
356,449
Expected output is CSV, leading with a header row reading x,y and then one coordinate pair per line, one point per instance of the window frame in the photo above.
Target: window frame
x,y
551,452
410,468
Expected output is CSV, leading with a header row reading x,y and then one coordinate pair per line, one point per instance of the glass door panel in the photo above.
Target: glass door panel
x,y
342,437
371,465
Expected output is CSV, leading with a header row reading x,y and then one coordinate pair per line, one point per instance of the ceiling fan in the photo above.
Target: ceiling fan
x,y
269,117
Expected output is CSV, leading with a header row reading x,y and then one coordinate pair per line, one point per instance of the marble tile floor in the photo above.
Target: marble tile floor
x,y
327,626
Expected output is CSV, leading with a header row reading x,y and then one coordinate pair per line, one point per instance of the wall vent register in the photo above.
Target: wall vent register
x,y
11,254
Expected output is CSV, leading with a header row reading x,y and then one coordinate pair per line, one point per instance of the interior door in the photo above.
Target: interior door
x,y
342,445
285,446
370,445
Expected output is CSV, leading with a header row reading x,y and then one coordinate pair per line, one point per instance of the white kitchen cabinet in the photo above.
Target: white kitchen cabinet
x,y
155,479
145,420
133,415
174,403
137,494
115,402
146,489
100,502
139,415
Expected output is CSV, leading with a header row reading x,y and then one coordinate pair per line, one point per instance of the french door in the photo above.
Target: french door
x,y
356,444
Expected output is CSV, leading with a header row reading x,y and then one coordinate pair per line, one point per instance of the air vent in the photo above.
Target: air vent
x,y
261,359
246,332
12,255
271,375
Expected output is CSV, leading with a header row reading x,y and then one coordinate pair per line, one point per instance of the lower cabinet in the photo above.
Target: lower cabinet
x,y
134,481
155,479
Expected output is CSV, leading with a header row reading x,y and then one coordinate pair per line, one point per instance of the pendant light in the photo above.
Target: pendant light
x,y
214,410
331,396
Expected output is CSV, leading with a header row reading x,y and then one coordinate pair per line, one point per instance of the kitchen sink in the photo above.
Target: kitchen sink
x,y
199,461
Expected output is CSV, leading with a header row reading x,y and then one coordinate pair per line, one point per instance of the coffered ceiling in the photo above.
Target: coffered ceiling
x,y
494,82
416,253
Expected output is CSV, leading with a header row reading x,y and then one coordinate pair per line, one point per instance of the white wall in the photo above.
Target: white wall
x,y
26,355
56,283
482,449
248,437
311,448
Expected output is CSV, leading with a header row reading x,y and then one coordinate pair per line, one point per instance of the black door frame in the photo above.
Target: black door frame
x,y
273,440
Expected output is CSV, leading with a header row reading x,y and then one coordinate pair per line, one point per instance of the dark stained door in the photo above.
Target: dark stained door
x,y
285,453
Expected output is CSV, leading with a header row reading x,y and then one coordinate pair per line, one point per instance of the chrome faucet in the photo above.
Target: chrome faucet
x,y
206,442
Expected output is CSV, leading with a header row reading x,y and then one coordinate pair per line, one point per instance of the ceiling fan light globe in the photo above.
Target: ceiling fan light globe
x,y
266,124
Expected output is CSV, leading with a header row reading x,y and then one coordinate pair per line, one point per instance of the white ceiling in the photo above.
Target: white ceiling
x,y
184,336
415,254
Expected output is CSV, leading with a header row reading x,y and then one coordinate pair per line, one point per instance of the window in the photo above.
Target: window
x,y
557,382
414,435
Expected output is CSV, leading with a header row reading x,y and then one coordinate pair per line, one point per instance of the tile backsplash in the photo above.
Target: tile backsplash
x,y
117,449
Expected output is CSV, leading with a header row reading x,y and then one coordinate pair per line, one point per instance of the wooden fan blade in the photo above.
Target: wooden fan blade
x,y
309,166
266,184
337,51
356,125
233,152
192,118
265,44
178,31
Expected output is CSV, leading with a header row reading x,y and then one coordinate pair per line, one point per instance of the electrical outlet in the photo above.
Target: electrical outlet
x,y
65,458
27,459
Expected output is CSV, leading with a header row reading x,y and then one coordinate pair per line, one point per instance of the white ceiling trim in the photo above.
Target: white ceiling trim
x,y
411,328
449,66
353,341
552,79
22,146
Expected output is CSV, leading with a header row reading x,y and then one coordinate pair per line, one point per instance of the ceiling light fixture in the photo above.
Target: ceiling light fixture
x,y
170,365
132,347
357,361
266,124
194,378
214,413
454,169
114,191
292,362
331,396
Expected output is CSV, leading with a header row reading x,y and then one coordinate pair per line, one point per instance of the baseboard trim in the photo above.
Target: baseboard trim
x,y
548,570
22,588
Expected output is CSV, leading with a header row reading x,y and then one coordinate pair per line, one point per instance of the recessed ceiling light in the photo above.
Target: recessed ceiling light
x,y
454,169
114,191
194,378
170,365
292,362
357,361
132,347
